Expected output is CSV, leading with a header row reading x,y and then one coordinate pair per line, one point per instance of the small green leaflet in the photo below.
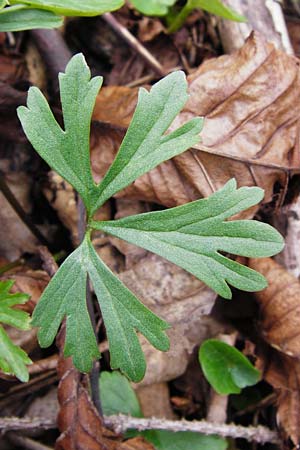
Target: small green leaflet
x,y
145,145
19,18
153,7
56,146
225,368
192,235
122,312
118,397
13,359
216,7
73,7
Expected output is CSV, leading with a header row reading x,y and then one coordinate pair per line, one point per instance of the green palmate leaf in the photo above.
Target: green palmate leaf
x,y
192,235
65,296
153,7
123,313
145,145
13,359
74,7
226,369
212,6
65,151
19,18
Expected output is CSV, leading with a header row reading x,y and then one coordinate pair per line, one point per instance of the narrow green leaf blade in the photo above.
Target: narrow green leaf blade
x,y
153,7
192,236
65,296
117,395
218,8
145,145
67,151
20,17
123,315
13,359
74,7
226,369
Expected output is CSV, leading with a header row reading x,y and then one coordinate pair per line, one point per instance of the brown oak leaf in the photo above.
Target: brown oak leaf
x,y
283,373
279,306
280,326
250,103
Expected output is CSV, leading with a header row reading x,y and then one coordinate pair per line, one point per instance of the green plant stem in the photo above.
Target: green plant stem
x,y
14,203
180,18
95,372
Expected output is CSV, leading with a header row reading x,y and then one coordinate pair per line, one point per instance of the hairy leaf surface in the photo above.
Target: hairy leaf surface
x,y
65,296
192,236
13,359
145,145
122,312
66,151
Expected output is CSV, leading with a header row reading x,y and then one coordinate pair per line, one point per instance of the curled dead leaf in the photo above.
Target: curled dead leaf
x,y
279,306
250,103
283,373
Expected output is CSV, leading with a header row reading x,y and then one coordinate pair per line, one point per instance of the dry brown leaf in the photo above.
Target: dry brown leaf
x,y
138,443
250,102
280,322
283,373
149,28
78,421
279,306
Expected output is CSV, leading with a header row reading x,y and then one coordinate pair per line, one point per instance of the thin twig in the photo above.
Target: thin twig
x,y
123,423
134,43
26,424
14,203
